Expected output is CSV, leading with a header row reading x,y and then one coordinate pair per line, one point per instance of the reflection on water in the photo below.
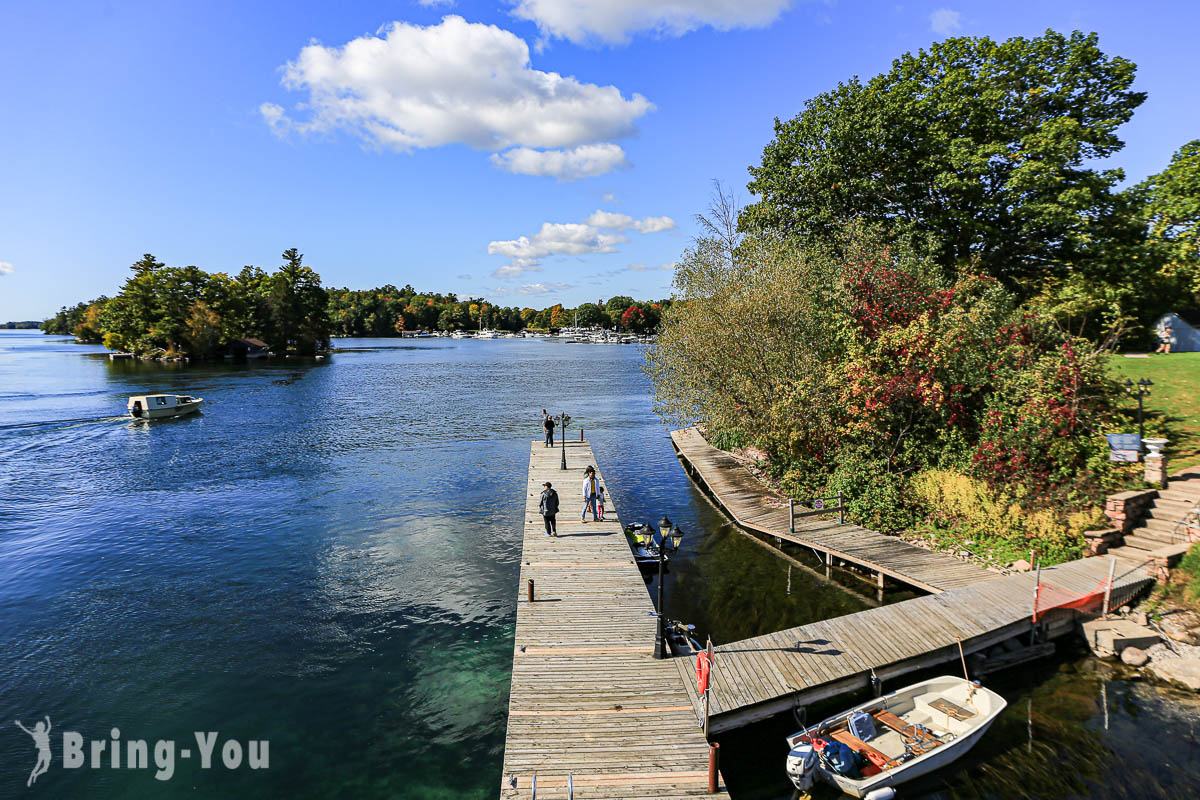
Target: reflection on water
x,y
326,557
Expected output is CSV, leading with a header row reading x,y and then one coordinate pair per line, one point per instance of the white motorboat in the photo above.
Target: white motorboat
x,y
460,335
157,406
872,748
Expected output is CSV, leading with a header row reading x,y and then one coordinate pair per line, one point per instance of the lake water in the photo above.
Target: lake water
x,y
326,558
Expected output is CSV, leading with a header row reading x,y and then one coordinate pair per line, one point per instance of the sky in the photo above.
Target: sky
x,y
527,151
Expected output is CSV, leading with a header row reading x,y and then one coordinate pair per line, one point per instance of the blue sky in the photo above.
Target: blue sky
x,y
218,134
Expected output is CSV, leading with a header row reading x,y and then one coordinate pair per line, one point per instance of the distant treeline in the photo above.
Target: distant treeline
x,y
185,311
24,325
388,311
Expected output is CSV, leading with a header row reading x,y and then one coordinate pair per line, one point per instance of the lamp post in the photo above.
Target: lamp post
x,y
668,535
563,420
1143,388
660,641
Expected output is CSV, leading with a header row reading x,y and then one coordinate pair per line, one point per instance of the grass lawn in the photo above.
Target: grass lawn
x,y
1174,401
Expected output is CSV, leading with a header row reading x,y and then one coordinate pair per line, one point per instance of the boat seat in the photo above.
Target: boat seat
x,y
925,741
859,746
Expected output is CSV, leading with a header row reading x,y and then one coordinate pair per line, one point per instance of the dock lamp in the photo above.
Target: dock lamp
x,y
672,534
563,420
1143,388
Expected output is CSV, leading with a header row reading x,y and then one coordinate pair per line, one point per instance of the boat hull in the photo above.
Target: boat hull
x,y
919,768
163,413
917,705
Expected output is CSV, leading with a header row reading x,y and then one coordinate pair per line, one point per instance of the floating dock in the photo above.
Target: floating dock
x,y
759,677
752,506
590,706
762,676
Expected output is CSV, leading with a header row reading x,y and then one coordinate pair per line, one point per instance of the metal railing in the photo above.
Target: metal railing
x,y
1189,520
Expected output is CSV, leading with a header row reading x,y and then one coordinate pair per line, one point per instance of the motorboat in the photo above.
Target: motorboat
x,y
460,335
157,406
872,748
680,639
641,538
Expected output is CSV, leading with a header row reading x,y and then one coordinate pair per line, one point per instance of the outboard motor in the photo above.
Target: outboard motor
x,y
802,766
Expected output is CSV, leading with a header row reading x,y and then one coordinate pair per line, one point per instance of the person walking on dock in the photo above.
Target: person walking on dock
x,y
548,424
548,507
590,486
600,501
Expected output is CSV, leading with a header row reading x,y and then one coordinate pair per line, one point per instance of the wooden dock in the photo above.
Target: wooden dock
x,y
759,677
744,498
589,702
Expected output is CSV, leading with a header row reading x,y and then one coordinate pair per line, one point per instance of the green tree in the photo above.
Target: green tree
x,y
300,305
1172,213
976,147
590,314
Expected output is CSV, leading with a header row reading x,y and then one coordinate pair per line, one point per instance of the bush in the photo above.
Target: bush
x,y
971,509
860,367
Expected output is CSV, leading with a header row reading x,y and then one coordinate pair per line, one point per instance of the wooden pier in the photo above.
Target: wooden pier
x,y
590,706
744,498
759,677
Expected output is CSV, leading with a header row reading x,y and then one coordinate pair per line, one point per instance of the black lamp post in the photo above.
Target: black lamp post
x,y
1143,388
660,641
563,419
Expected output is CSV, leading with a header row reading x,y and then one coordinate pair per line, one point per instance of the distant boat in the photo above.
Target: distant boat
x,y
460,335
157,406
872,748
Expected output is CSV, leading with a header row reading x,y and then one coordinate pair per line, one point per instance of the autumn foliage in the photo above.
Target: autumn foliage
x,y
862,370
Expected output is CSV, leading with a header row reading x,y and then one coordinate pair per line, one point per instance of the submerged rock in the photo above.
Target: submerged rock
x,y
1182,671
1134,656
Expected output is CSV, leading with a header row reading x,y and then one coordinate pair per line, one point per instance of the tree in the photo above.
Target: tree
x,y
300,305
590,314
974,147
616,306
1172,213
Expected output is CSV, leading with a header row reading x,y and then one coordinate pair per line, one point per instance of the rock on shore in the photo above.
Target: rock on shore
x,y
1182,671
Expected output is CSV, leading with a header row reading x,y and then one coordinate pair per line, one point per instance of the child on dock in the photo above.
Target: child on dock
x,y
600,501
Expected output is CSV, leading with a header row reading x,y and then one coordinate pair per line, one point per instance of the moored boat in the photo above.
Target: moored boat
x,y
645,549
872,748
157,406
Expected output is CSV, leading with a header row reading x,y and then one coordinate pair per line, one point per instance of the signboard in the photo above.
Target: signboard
x,y
819,504
1124,441
1123,455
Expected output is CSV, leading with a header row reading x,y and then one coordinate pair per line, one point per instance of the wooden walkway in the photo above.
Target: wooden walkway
x,y
757,678
588,699
753,506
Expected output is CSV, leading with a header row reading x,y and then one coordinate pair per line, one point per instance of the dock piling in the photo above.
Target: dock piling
x,y
530,588
714,767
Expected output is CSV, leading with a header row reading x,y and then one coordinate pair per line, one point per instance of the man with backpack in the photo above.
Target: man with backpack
x,y
548,507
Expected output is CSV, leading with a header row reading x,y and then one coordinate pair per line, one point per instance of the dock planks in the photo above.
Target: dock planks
x,y
755,508
820,660
588,698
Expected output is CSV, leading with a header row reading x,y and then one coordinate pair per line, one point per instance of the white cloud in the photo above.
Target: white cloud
x,y
585,161
413,87
614,21
945,21
541,288
624,222
6,268
645,268
600,233
609,197
431,3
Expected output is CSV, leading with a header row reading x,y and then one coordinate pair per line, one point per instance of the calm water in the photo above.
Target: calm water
x,y
326,558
